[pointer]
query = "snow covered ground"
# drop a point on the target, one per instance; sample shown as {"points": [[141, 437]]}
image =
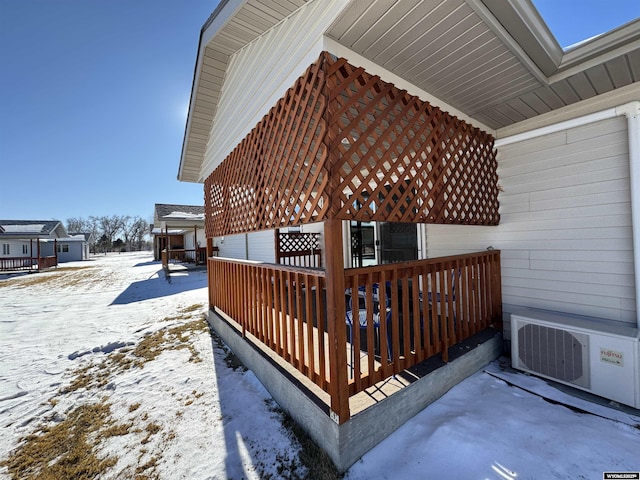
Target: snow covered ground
{"points": [[110, 346]]}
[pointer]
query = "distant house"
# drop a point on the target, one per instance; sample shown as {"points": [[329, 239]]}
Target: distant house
{"points": [[80, 243], [179, 229], [31, 244]]}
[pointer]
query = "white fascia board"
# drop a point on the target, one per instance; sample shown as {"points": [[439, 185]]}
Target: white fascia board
{"points": [[224, 12], [622, 37], [582, 65], [373, 68], [630, 109], [599, 103], [538, 28]]}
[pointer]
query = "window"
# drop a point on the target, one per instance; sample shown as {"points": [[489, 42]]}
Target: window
{"points": [[5, 249], [25, 249], [63, 248]]}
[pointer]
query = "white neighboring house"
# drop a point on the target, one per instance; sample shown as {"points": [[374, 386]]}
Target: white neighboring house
{"points": [[180, 228], [79, 245], [27, 243]]}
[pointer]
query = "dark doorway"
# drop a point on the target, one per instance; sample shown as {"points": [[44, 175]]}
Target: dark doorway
{"points": [[363, 247]]}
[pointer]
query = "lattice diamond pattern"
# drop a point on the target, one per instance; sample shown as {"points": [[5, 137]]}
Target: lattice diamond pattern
{"points": [[277, 175], [392, 157], [298, 242], [403, 160]]}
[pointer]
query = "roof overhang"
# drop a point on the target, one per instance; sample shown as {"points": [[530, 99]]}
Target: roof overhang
{"points": [[494, 60]]}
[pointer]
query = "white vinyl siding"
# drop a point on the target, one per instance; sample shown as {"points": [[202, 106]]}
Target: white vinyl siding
{"points": [[565, 228], [232, 246], [275, 59], [198, 235], [262, 246], [258, 246]]}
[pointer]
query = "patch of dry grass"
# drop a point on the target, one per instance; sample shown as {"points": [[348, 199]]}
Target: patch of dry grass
{"points": [[98, 374], [174, 338], [70, 449], [61, 277], [67, 449], [185, 313]]}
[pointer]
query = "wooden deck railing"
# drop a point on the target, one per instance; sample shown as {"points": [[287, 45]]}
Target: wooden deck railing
{"points": [[188, 255], [404, 312], [413, 310], [18, 263], [309, 258], [47, 262], [282, 306], [8, 264]]}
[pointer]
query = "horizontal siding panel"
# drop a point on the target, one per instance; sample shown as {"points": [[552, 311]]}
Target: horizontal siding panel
{"points": [[598, 129], [565, 229], [596, 160], [619, 185], [232, 246], [557, 219], [275, 59], [584, 299], [610, 198], [579, 256], [612, 278], [513, 208], [524, 299], [515, 151], [573, 287], [583, 176], [567, 156], [621, 268], [587, 244]]}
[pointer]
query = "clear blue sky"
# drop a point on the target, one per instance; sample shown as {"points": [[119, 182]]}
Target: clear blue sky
{"points": [[94, 96], [93, 103], [572, 21]]}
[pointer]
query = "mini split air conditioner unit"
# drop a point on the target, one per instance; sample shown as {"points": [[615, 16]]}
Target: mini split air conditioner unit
{"points": [[599, 356]]}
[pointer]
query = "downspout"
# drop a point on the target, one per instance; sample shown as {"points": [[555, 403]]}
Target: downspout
{"points": [[630, 110]]}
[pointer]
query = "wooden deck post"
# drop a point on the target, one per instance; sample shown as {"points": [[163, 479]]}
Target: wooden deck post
{"points": [[276, 234], [339, 387], [195, 245], [209, 247]]}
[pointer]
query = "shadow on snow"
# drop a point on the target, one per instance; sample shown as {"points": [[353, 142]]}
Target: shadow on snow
{"points": [[157, 286]]}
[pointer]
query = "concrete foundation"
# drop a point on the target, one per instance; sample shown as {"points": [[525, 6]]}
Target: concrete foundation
{"points": [[308, 406]]}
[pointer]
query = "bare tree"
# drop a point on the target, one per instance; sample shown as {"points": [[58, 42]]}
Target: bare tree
{"points": [[141, 231], [78, 225], [105, 230], [134, 230], [110, 226]]}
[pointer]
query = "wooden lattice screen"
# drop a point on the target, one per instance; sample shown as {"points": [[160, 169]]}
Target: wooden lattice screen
{"points": [[344, 144], [277, 176], [297, 248], [402, 160]]}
